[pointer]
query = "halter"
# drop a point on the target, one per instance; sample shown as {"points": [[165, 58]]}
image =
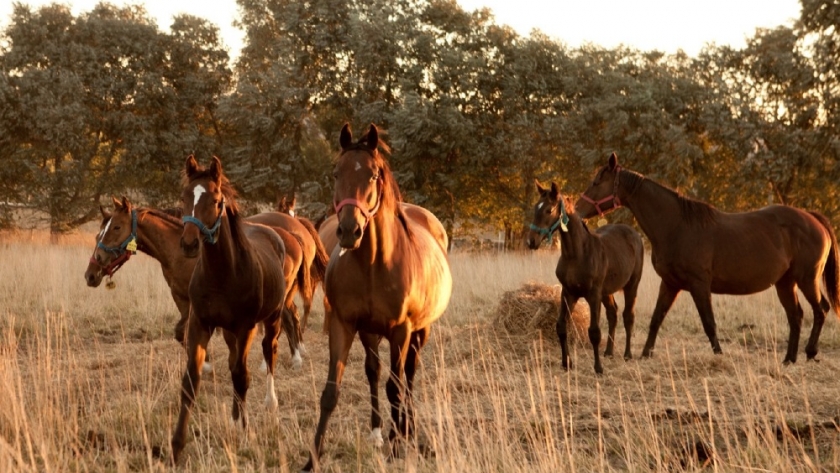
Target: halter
{"points": [[122, 252], [211, 235], [610, 198], [359, 205], [562, 222]]}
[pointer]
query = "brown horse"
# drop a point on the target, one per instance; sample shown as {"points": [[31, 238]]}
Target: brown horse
{"points": [[238, 282], [593, 266], [702, 250], [157, 233], [390, 279]]}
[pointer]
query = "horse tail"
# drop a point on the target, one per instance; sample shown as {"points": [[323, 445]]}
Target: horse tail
{"points": [[304, 280], [831, 272], [319, 264]]}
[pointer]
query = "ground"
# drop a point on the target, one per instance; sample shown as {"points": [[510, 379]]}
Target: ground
{"points": [[89, 382]]}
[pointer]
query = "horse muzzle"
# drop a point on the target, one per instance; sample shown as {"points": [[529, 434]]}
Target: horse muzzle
{"points": [[349, 235], [93, 275]]}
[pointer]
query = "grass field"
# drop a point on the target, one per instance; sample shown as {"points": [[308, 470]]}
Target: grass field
{"points": [[89, 381]]}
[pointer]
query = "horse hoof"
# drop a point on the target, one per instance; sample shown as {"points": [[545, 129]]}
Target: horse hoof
{"points": [[788, 362], [376, 438], [599, 370], [647, 354]]}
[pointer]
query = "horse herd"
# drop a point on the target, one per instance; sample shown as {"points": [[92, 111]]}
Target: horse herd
{"points": [[387, 273]]}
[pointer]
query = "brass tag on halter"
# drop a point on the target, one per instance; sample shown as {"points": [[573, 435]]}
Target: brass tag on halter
{"points": [[601, 222], [132, 246], [110, 284]]}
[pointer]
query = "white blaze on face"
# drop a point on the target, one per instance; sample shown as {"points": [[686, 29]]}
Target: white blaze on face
{"points": [[105, 230], [539, 206], [198, 191], [358, 166]]}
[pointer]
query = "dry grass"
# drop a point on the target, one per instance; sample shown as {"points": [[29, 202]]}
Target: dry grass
{"points": [[89, 382]]}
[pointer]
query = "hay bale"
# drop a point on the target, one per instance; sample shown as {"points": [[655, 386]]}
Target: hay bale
{"points": [[534, 308]]}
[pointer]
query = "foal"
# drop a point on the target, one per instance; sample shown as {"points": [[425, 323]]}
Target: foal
{"points": [[591, 266], [237, 283]]}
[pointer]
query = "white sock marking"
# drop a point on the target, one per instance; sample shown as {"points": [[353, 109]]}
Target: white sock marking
{"points": [[292, 213], [263, 367], [206, 368], [297, 361], [376, 438], [270, 398], [198, 191], [302, 349]]}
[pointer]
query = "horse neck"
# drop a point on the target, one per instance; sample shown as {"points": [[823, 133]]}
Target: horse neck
{"points": [[231, 249], [381, 237], [159, 238], [656, 209], [572, 242]]}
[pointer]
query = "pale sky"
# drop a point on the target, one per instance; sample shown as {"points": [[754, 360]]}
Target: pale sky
{"points": [[666, 25]]}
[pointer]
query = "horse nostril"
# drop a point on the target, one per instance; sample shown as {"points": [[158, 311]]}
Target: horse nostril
{"points": [[338, 231], [358, 233]]}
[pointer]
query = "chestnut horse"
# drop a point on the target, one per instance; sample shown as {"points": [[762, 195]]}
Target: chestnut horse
{"points": [[157, 233], [238, 282], [390, 278], [593, 266], [704, 251]]}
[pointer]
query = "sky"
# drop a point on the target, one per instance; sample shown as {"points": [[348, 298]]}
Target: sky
{"points": [[665, 25]]}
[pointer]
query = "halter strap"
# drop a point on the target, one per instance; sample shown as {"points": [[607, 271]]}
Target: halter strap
{"points": [[211, 235], [562, 222], [610, 198], [122, 252], [359, 205]]}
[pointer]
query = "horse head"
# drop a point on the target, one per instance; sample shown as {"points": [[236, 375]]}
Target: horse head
{"points": [[549, 215], [363, 186], [602, 194], [203, 203], [115, 242]]}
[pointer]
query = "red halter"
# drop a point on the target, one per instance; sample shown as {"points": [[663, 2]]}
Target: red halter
{"points": [[359, 205], [610, 198]]}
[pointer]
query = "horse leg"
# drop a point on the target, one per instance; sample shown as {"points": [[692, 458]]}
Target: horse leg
{"points": [[399, 339], [197, 338], [372, 370], [240, 376], [811, 292], [418, 341], [702, 297], [567, 304], [629, 315], [269, 349], [291, 325], [341, 338], [612, 320], [786, 291], [594, 301], [664, 301]]}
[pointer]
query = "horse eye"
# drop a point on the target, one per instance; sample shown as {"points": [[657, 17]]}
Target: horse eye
{"points": [[117, 227]]}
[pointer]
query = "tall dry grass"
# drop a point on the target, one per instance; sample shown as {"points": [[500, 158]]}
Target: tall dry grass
{"points": [[89, 382]]}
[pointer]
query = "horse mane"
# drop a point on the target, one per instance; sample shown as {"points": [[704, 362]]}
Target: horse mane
{"points": [[169, 215], [693, 211]]}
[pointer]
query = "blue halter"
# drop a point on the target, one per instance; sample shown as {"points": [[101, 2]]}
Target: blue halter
{"points": [[561, 223], [119, 250], [211, 235]]}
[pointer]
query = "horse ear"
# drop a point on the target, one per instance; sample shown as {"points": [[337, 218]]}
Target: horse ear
{"points": [[117, 203], [613, 161], [293, 201], [555, 191], [216, 169], [126, 205], [346, 138], [540, 188], [373, 137], [105, 213], [191, 166]]}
